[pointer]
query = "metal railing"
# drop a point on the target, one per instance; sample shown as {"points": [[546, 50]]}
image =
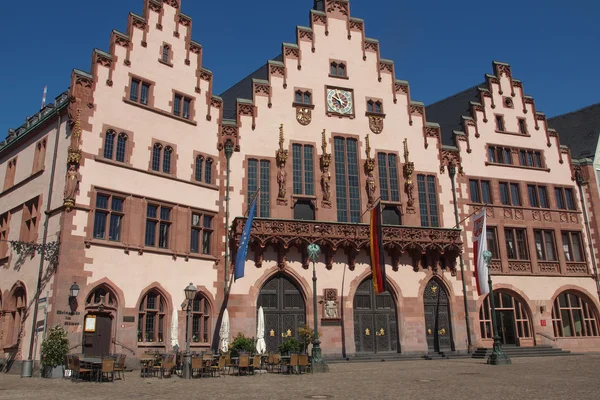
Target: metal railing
{"points": [[547, 336], [123, 346]]}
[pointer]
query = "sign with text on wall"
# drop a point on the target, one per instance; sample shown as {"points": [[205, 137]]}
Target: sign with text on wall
{"points": [[543, 322], [90, 323]]}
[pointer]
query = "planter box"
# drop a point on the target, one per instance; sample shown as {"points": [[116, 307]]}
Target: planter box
{"points": [[53, 373], [525, 342]]}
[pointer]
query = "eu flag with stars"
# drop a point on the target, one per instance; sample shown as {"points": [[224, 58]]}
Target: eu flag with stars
{"points": [[240, 260]]}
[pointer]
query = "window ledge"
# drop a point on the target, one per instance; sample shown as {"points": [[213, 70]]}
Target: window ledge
{"points": [[168, 64], [374, 114], [304, 196], [523, 208], [151, 344], [311, 106], [487, 163], [142, 249], [334, 114], [338, 77], [21, 183], [166, 176], [158, 111], [513, 133]]}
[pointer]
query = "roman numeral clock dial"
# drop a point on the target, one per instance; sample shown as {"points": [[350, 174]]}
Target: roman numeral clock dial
{"points": [[340, 101]]}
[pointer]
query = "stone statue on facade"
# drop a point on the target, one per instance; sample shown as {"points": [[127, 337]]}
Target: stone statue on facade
{"points": [[409, 168], [281, 157], [325, 176], [72, 185], [331, 309], [371, 187]]}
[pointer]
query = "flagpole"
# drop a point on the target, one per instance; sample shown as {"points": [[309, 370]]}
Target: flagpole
{"points": [[228, 154], [468, 216], [254, 196]]}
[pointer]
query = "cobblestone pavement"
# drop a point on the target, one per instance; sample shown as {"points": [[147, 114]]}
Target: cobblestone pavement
{"points": [[528, 378]]}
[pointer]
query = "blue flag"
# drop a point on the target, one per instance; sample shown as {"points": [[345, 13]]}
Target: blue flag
{"points": [[240, 259]]}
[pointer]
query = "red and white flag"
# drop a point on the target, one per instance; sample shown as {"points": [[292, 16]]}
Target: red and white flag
{"points": [[479, 246]]}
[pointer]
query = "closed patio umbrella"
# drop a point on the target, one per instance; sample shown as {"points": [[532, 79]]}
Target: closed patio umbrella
{"points": [[261, 346], [174, 329], [224, 333]]}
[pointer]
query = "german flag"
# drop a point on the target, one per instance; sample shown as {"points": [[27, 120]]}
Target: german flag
{"points": [[376, 244]]}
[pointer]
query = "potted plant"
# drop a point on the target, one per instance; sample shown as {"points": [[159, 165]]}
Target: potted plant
{"points": [[291, 345], [54, 349], [242, 344]]}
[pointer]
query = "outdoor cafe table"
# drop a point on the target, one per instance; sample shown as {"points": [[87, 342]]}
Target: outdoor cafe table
{"points": [[95, 363]]}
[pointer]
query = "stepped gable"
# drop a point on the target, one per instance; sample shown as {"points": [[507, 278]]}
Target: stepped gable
{"points": [[580, 130]]}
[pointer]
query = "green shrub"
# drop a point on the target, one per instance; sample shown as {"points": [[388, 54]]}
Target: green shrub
{"points": [[55, 347], [242, 344], [291, 345]]}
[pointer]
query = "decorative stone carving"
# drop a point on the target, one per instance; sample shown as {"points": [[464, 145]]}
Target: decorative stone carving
{"points": [[330, 304], [577, 268], [371, 187], [325, 175], [73, 159], [409, 168], [519, 266], [376, 124], [281, 156], [303, 115]]}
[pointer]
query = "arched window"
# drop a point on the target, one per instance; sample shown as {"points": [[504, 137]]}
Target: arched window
{"points": [[370, 106], [156, 157], [378, 107], [16, 314], [101, 295], [166, 51], [200, 319], [167, 160], [307, 97], [573, 315], [341, 70], [208, 171], [298, 96], [109, 144], [152, 317], [333, 69], [513, 321], [121, 145], [199, 162]]}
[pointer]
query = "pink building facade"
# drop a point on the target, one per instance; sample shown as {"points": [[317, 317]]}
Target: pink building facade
{"points": [[134, 161]]}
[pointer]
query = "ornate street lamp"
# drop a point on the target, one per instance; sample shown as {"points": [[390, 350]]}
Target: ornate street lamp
{"points": [[73, 292], [318, 364], [498, 356], [190, 293]]}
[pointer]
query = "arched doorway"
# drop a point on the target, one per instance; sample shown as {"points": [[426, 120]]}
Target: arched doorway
{"points": [[375, 321], [284, 308], [573, 315], [98, 330], [512, 318], [437, 317]]}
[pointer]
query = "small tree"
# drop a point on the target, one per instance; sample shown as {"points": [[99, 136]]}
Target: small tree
{"points": [[55, 347], [291, 345], [307, 336], [242, 344]]}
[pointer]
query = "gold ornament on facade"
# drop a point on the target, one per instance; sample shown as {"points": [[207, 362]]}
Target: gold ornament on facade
{"points": [[325, 175], [409, 168], [371, 187], [281, 156], [367, 332], [303, 115], [376, 124]]}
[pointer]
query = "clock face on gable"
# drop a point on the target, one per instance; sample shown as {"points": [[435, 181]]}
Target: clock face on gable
{"points": [[340, 101]]}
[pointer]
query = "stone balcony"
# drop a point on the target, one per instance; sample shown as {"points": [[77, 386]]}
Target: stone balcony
{"points": [[435, 248]]}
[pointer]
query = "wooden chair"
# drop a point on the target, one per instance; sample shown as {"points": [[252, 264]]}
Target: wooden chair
{"points": [[255, 364], [276, 362], [216, 369], [78, 371], [302, 363], [168, 365], [243, 363], [228, 363], [197, 365], [120, 366], [108, 367]]}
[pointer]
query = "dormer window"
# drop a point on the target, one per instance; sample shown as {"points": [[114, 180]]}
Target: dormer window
{"points": [[182, 106], [375, 107], [337, 69], [303, 97]]}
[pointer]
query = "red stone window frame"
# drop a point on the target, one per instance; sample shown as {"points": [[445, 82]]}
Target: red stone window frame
{"points": [[508, 156], [159, 226], [512, 189], [303, 98], [531, 158], [433, 221], [579, 311], [109, 216], [522, 123], [303, 178], [4, 231], [573, 249], [565, 198], [31, 219], [9, 178], [500, 126], [16, 310], [200, 172], [513, 237], [39, 158], [544, 242], [479, 189], [165, 55], [202, 238], [158, 164], [262, 173], [338, 69], [374, 107], [538, 196], [140, 91], [152, 319], [201, 320], [117, 145], [180, 102], [492, 241]]}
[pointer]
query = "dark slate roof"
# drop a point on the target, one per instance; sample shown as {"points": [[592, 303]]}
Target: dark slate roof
{"points": [[449, 112], [243, 90], [579, 130]]}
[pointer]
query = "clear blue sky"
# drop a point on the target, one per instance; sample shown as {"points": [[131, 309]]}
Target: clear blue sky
{"points": [[440, 46]]}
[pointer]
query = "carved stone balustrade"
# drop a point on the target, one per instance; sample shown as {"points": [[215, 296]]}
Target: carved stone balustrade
{"points": [[435, 248]]}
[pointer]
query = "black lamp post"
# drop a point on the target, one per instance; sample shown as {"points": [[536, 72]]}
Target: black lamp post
{"points": [[190, 293], [73, 292], [318, 364], [498, 356]]}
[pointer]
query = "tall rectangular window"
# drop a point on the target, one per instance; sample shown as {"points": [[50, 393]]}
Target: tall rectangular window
{"points": [[522, 126], [346, 179], [303, 169], [428, 200], [480, 191], [259, 173], [538, 196], [572, 246], [492, 242], [158, 225], [108, 214], [4, 220], [181, 103], [201, 233], [388, 177], [531, 158], [544, 245], [29, 228], [516, 244], [139, 91], [499, 123], [564, 198], [500, 155], [509, 194]]}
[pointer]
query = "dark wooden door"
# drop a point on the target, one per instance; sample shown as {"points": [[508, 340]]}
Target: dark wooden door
{"points": [[284, 308], [506, 320], [97, 343], [437, 317], [375, 326]]}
